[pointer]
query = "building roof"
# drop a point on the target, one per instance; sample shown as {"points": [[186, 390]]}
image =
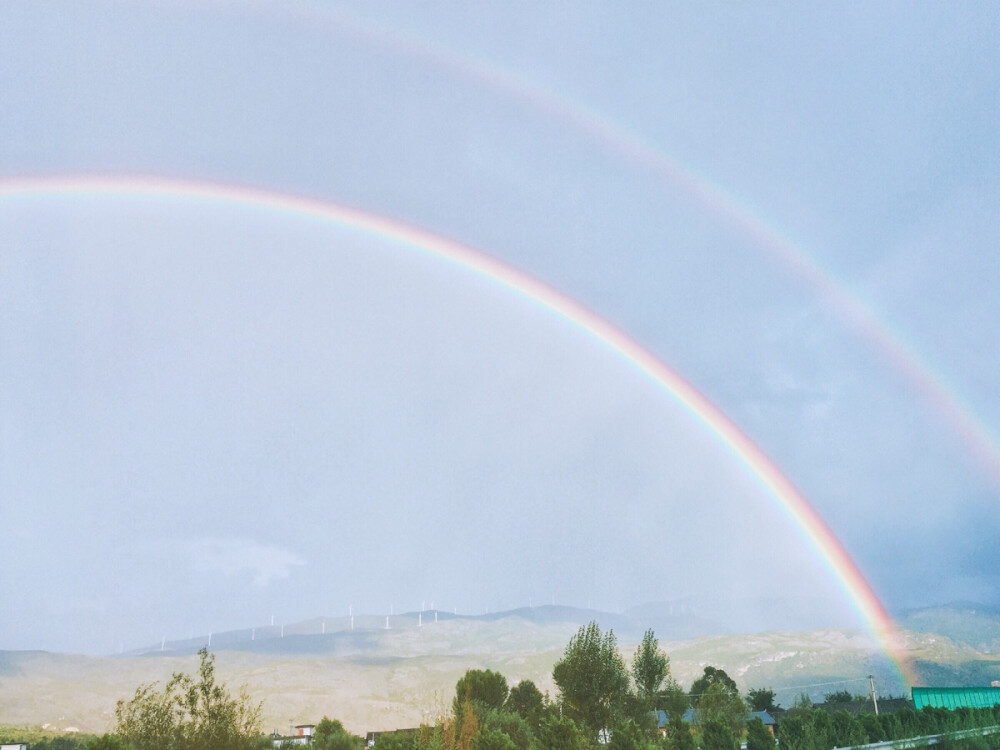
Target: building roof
{"points": [[956, 697]]}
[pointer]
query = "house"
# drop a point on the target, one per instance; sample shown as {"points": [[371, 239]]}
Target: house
{"points": [[769, 721], [302, 734]]}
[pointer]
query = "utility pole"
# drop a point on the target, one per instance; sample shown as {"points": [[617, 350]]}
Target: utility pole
{"points": [[871, 681]]}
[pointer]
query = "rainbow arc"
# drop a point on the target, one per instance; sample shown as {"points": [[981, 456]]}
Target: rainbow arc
{"points": [[787, 497]]}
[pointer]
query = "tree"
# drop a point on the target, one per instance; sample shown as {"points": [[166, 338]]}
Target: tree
{"points": [[627, 736], [106, 742], [678, 734], [189, 714], [822, 729], [761, 699], [795, 733], [650, 668], [719, 703], [466, 726], [60, 743], [561, 733], [527, 701], [869, 723], [493, 739], [592, 679], [512, 725], [673, 699], [847, 730], [399, 740], [484, 688], [331, 735], [840, 696], [710, 677], [429, 737], [759, 737], [718, 735]]}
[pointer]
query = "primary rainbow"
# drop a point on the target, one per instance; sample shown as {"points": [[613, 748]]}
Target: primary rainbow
{"points": [[764, 471]]}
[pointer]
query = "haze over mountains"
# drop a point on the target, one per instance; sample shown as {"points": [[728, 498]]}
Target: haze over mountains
{"points": [[372, 677]]}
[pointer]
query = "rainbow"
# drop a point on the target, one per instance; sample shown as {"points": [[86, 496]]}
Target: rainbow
{"points": [[788, 498], [982, 444]]}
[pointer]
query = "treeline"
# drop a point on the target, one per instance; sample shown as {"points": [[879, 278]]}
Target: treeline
{"points": [[601, 703], [809, 728]]}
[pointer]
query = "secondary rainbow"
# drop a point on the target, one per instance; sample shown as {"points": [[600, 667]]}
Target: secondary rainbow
{"points": [[765, 472], [745, 221]]}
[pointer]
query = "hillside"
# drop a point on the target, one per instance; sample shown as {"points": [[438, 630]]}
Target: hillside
{"points": [[374, 678], [969, 624]]}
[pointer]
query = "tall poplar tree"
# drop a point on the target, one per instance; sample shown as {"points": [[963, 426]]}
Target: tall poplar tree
{"points": [[592, 679]]}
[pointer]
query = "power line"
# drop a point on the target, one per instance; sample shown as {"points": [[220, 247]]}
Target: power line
{"points": [[821, 684]]}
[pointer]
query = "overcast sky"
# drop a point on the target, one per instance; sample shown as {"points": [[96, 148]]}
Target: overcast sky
{"points": [[214, 413]]}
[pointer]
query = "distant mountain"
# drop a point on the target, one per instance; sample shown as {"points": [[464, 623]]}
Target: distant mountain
{"points": [[373, 677], [972, 625], [675, 620]]}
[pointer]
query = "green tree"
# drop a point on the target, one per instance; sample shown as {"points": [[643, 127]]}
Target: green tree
{"points": [[189, 714], [107, 742], [803, 702], [759, 737], [512, 725], [718, 735], [628, 736], [391, 741], [429, 737], [527, 701], [840, 696], [795, 733], [678, 735], [561, 733], [650, 669], [720, 703], [492, 738], [59, 743], [847, 730], [894, 731], [592, 679], [331, 735], [822, 729], [484, 688], [673, 699], [711, 676], [869, 722], [761, 699]]}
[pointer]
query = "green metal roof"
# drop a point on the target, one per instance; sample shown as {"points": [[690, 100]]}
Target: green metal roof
{"points": [[972, 697]]}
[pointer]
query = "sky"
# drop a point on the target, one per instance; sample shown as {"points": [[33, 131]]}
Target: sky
{"points": [[212, 412]]}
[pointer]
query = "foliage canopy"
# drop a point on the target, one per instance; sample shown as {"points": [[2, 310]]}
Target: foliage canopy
{"points": [[189, 714], [592, 678]]}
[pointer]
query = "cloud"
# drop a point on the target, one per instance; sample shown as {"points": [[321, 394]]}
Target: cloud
{"points": [[265, 562]]}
